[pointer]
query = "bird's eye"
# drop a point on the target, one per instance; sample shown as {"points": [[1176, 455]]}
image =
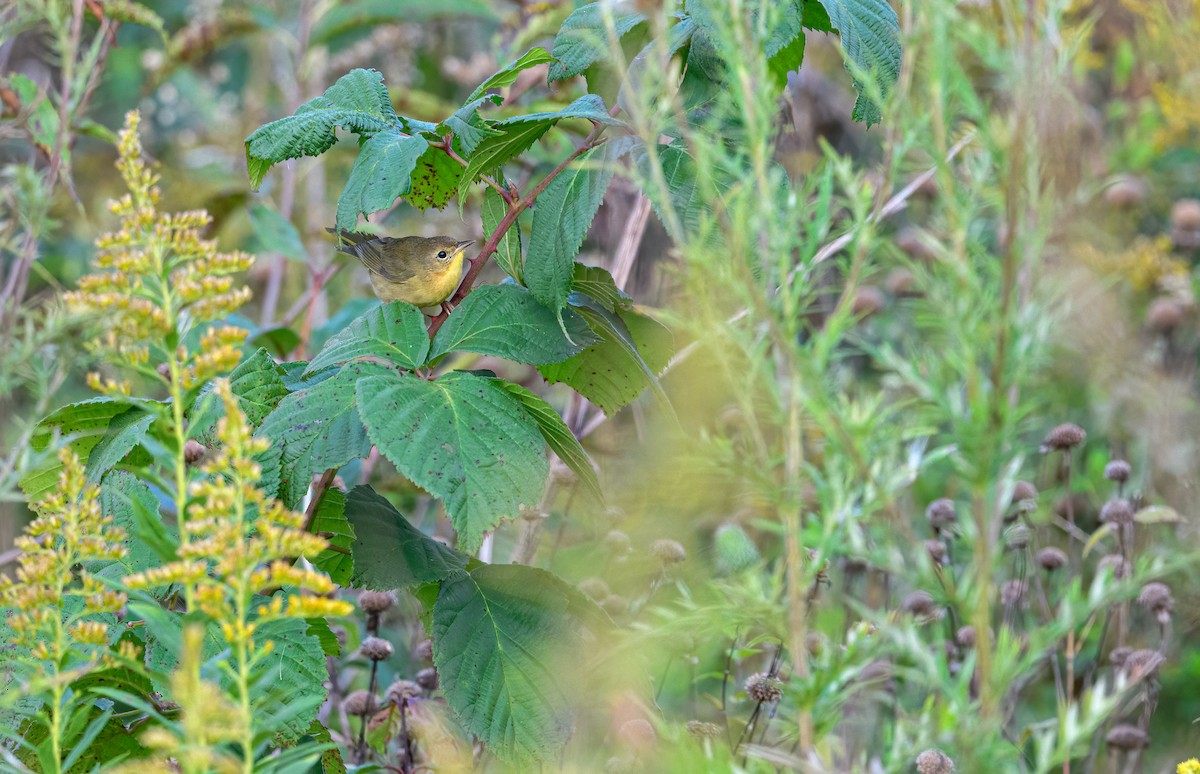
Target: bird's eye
{"points": [[442, 254]]}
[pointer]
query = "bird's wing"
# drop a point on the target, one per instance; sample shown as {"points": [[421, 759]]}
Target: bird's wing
{"points": [[372, 255]]}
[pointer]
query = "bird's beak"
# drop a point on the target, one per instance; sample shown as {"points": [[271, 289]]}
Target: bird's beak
{"points": [[464, 245]]}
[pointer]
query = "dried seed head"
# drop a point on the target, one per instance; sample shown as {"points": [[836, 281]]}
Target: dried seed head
{"points": [[1119, 655], [193, 451], [965, 637], [868, 300], [594, 588], [1023, 493], [762, 687], [668, 551], [1117, 511], [424, 650], [1142, 663], [376, 649], [934, 762], [936, 549], [164, 370], [1156, 597], [909, 240], [1017, 537], [615, 604], [1185, 215], [1164, 315], [1118, 471], [1115, 562], [403, 689], [376, 601], [637, 733], [1064, 437], [919, 603], [1125, 193], [902, 284], [877, 672], [360, 703], [941, 513], [618, 542], [701, 730], [1012, 592], [1051, 559], [852, 565], [1127, 737], [427, 678]]}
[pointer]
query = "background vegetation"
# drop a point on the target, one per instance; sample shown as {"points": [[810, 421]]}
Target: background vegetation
{"points": [[885, 367]]}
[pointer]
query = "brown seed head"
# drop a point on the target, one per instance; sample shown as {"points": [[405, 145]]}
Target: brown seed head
{"points": [[1125, 193], [1164, 315], [403, 689], [1051, 559], [637, 733], [376, 601], [424, 650], [1127, 737], [941, 513], [936, 549], [868, 300], [919, 603], [1156, 597], [762, 687], [1023, 492], [1119, 655], [1017, 537], [618, 542], [1142, 663], [934, 762], [193, 451], [1012, 592], [965, 637], [1185, 215], [1118, 471], [668, 551], [360, 703], [1117, 511], [1064, 437], [376, 649], [594, 588], [901, 283], [427, 678], [909, 240]]}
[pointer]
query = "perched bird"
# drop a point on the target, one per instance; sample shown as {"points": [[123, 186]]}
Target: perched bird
{"points": [[422, 271]]}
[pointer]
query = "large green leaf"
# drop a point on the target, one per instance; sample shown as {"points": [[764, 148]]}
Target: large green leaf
{"points": [[435, 180], [468, 126], [394, 332], [132, 506], [583, 39], [258, 385], [506, 321], [508, 249], [597, 284], [562, 219], [358, 102], [784, 46], [463, 439], [274, 233], [330, 520], [558, 436], [298, 674], [109, 428], [507, 75], [506, 642], [632, 351], [389, 552], [318, 428], [870, 34], [381, 174]]}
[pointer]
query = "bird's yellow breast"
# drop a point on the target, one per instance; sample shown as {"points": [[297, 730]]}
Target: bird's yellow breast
{"points": [[431, 286]]}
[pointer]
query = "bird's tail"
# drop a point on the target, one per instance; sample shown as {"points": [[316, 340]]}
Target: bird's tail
{"points": [[348, 239]]}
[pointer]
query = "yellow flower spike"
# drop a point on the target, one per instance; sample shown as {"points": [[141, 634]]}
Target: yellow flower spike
{"points": [[1190, 766]]}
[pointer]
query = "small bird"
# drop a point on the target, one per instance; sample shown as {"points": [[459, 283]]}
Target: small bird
{"points": [[422, 271]]}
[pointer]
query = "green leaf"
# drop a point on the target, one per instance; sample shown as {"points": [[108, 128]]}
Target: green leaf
{"points": [[558, 436], [596, 283], [274, 233], [318, 428], [508, 74], [461, 438], [134, 508], [279, 341], [298, 673], [561, 220], [435, 180], [330, 521], [84, 427], [348, 17], [389, 552], [394, 332], [506, 321], [504, 637], [258, 385], [508, 249], [583, 39], [468, 126], [126, 431], [357, 102], [785, 44], [381, 174], [611, 374], [870, 34]]}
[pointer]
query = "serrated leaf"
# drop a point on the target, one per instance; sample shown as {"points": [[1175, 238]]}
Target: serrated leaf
{"points": [[279, 341], [435, 180], [583, 39], [258, 385], [274, 233], [784, 46], [596, 283], [298, 673], [504, 638], [468, 126], [507, 75], [318, 428], [558, 436], [381, 174], [132, 506], [461, 438], [126, 431], [357, 102], [389, 552], [508, 249], [394, 332], [870, 34], [330, 521], [611, 374], [506, 321]]}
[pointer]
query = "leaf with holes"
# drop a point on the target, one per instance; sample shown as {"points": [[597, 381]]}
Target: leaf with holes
{"points": [[381, 174], [389, 552], [394, 332], [870, 34], [435, 180], [464, 440]]}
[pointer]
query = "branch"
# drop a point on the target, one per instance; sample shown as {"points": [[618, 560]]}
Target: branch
{"points": [[515, 208]]}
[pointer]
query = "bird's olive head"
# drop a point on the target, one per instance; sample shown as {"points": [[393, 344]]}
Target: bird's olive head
{"points": [[445, 249]]}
